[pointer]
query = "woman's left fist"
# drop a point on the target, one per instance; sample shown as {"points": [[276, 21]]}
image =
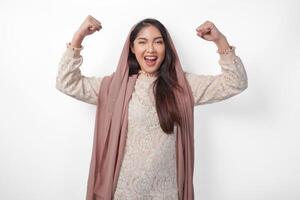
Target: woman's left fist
{"points": [[209, 31]]}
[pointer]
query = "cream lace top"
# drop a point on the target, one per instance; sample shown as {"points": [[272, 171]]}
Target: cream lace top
{"points": [[148, 170]]}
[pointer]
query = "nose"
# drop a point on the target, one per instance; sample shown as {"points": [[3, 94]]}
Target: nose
{"points": [[150, 48]]}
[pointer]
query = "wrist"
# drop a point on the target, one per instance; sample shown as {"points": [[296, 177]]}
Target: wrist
{"points": [[77, 40], [222, 43]]}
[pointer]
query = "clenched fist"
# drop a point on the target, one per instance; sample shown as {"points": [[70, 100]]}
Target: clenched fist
{"points": [[209, 31], [88, 27]]}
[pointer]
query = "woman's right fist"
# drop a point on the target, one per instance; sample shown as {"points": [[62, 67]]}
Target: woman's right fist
{"points": [[88, 27]]}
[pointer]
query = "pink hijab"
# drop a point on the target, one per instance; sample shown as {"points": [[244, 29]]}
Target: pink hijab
{"points": [[111, 129]]}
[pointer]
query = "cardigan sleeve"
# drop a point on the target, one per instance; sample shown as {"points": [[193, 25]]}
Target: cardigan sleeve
{"points": [[213, 88], [71, 82]]}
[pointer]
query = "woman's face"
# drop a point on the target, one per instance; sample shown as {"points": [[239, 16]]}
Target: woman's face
{"points": [[149, 49]]}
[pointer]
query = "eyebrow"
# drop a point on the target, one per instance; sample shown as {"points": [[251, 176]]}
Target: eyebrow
{"points": [[142, 38]]}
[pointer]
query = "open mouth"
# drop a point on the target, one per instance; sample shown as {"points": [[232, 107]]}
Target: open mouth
{"points": [[150, 60]]}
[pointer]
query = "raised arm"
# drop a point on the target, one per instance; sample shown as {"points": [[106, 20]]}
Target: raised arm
{"points": [[233, 79], [69, 79], [213, 88]]}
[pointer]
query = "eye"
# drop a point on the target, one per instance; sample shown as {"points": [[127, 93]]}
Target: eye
{"points": [[160, 42], [141, 42]]}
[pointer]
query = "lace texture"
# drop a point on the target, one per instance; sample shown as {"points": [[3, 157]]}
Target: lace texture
{"points": [[148, 169]]}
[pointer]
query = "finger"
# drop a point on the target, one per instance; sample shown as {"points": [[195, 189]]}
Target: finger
{"points": [[201, 29], [202, 32], [206, 30], [98, 26], [199, 33], [206, 25], [95, 21], [201, 36], [93, 28], [99, 23]]}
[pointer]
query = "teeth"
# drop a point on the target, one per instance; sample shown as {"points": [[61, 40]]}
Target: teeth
{"points": [[151, 57]]}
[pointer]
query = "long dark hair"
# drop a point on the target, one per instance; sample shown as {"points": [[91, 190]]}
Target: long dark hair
{"points": [[166, 82]]}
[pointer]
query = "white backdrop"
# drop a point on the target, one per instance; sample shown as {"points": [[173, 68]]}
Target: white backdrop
{"points": [[247, 147]]}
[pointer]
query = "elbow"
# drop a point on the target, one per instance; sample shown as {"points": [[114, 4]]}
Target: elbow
{"points": [[240, 82], [59, 85], [243, 85], [238, 86], [244, 81]]}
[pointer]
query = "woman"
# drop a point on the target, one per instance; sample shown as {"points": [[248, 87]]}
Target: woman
{"points": [[143, 141]]}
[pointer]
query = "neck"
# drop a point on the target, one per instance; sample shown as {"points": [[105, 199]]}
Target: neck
{"points": [[147, 74]]}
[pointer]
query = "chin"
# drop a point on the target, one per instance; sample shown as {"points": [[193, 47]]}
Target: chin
{"points": [[151, 70]]}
